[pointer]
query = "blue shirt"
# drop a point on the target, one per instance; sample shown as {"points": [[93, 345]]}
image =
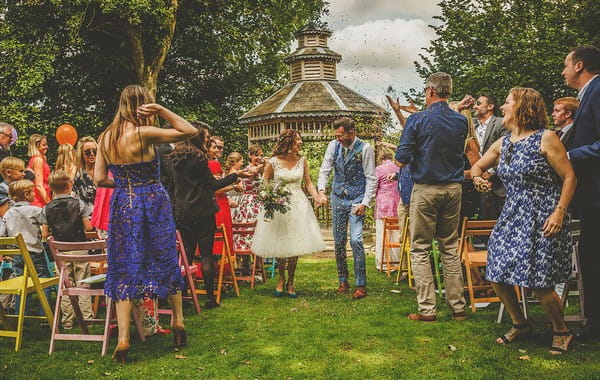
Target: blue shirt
{"points": [[433, 142]]}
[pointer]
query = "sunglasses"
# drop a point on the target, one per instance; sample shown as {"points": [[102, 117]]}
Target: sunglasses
{"points": [[219, 147], [89, 152], [6, 134], [509, 153]]}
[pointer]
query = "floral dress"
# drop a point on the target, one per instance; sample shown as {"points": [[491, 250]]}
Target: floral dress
{"points": [[247, 210]]}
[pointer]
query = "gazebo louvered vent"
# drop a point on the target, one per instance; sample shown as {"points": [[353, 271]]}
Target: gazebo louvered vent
{"points": [[314, 98]]}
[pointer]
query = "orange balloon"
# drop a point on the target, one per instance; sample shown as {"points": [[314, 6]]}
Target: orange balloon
{"points": [[66, 134]]}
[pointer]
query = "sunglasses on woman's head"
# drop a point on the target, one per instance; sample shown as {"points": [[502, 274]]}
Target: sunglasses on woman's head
{"points": [[89, 152]]}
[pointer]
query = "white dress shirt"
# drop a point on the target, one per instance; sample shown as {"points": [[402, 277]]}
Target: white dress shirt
{"points": [[368, 165], [585, 86], [480, 131]]}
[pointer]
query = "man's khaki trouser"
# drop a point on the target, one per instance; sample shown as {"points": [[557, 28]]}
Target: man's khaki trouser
{"points": [[435, 213], [76, 272]]}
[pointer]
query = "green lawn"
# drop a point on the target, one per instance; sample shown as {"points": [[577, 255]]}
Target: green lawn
{"points": [[318, 335]]}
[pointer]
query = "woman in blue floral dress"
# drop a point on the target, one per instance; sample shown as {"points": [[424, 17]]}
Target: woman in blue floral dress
{"points": [[530, 245], [142, 258]]}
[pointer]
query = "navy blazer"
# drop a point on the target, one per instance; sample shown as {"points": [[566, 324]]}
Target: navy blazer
{"points": [[583, 146]]}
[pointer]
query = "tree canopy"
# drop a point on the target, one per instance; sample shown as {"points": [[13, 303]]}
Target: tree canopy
{"points": [[490, 46], [65, 61]]}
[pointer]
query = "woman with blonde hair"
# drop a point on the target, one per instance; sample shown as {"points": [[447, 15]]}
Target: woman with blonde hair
{"points": [[36, 150], [85, 159], [142, 257], [65, 160], [530, 244]]}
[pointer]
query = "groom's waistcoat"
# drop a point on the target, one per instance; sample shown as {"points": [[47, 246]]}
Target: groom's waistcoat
{"points": [[349, 177]]}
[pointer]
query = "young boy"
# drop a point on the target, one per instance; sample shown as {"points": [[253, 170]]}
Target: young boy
{"points": [[5, 299], [26, 219], [67, 218], [12, 169]]}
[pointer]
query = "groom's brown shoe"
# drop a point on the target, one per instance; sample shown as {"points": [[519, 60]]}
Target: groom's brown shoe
{"points": [[344, 287], [360, 292], [422, 318]]}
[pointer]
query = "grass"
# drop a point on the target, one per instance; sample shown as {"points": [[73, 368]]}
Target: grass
{"points": [[316, 336]]}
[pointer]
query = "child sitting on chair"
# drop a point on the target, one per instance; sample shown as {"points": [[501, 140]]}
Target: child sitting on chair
{"points": [[67, 218], [12, 169], [27, 220], [6, 300]]}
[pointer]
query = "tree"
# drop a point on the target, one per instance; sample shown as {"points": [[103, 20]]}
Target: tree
{"points": [[67, 60], [490, 46]]}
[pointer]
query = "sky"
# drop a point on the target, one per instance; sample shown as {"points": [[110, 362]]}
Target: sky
{"points": [[379, 40]]}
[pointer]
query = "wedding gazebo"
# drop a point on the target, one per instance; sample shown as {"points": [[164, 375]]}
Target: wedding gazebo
{"points": [[314, 98]]}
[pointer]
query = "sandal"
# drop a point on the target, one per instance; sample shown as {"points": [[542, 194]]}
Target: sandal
{"points": [[516, 332], [561, 340]]}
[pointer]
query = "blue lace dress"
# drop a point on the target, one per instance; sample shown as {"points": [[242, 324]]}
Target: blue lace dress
{"points": [[142, 257], [518, 252]]}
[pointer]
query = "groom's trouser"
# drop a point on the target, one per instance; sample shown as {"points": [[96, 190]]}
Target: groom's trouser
{"points": [[435, 213], [341, 213]]}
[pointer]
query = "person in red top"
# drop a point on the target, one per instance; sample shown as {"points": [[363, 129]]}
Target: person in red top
{"points": [[37, 149]]}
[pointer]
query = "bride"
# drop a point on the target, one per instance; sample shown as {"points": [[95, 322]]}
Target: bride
{"points": [[297, 232]]}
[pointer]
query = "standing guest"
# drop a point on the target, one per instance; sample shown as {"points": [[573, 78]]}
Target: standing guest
{"points": [[142, 257], [248, 206], [387, 198], [223, 216], [65, 160], [530, 243], [37, 149], [297, 232], [12, 169], [234, 162], [6, 137], [581, 72], [354, 183], [25, 218], [68, 220], [83, 185], [488, 129], [194, 202], [433, 143], [562, 116]]}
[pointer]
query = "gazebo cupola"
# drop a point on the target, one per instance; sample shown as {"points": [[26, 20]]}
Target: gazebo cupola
{"points": [[314, 98]]}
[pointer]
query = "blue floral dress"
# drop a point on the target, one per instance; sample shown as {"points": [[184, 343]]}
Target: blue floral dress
{"points": [[142, 257], [518, 252]]}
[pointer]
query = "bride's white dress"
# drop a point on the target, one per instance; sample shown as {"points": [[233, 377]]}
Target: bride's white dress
{"points": [[294, 233]]}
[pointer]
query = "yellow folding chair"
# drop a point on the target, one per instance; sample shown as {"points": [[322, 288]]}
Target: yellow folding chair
{"points": [[405, 254], [23, 285]]}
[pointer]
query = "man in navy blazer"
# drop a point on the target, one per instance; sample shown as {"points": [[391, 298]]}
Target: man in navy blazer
{"points": [[582, 66]]}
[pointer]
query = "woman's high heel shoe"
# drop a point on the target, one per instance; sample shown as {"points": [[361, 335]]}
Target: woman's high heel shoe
{"points": [[179, 337], [120, 354]]}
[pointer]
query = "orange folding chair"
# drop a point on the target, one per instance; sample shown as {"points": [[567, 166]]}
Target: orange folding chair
{"points": [[389, 225]]}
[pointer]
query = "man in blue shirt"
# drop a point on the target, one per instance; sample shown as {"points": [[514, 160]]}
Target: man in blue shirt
{"points": [[433, 143]]}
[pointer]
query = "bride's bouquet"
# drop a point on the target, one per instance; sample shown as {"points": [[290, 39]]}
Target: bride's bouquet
{"points": [[274, 197]]}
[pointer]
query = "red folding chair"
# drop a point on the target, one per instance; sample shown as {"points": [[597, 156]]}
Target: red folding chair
{"points": [[258, 267]]}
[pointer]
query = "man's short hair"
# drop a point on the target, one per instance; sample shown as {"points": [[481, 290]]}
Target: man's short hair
{"points": [[4, 127], [491, 99], [217, 138], [17, 189], [440, 83], [569, 103], [59, 180], [590, 56], [12, 163], [345, 122]]}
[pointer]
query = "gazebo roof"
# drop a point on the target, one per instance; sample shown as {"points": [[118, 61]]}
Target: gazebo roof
{"points": [[305, 99]]}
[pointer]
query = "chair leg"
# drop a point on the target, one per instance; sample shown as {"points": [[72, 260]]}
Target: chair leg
{"points": [[220, 282], [106, 335], [20, 320], [500, 313], [254, 258], [233, 276], [470, 286], [57, 313]]}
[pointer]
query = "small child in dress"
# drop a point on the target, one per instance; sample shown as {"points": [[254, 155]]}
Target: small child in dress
{"points": [[12, 169], [27, 220], [67, 220]]}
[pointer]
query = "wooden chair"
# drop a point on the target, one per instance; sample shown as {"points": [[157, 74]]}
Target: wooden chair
{"points": [[389, 225], [21, 286], [405, 255], [225, 269], [474, 259], [247, 229], [73, 291]]}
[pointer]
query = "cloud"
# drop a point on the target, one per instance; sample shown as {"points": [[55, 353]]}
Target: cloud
{"points": [[353, 12]]}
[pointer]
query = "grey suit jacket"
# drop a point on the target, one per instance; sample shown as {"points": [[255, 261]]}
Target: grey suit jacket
{"points": [[494, 131]]}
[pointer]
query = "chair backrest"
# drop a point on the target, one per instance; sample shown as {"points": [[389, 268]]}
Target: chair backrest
{"points": [[92, 235], [56, 247], [391, 224], [472, 228], [17, 246], [242, 229]]}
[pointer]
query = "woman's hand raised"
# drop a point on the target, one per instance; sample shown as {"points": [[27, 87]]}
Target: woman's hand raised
{"points": [[148, 110]]}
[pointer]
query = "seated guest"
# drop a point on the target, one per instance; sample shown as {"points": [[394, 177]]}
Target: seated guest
{"points": [[12, 169], [67, 220]]}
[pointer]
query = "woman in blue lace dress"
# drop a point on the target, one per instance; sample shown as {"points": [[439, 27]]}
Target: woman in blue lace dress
{"points": [[142, 258], [530, 244]]}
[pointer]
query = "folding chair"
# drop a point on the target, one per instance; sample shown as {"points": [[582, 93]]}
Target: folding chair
{"points": [[73, 291], [389, 225], [247, 229], [226, 272], [21, 286]]}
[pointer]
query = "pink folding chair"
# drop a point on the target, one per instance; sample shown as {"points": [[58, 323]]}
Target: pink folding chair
{"points": [[73, 291]]}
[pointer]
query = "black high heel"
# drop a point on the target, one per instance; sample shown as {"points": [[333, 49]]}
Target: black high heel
{"points": [[179, 337], [120, 354]]}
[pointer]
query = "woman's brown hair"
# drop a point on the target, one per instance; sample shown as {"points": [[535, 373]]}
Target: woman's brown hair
{"points": [[285, 142], [196, 146], [529, 110]]}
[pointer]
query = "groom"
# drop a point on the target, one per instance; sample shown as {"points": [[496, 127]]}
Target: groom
{"points": [[353, 189]]}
